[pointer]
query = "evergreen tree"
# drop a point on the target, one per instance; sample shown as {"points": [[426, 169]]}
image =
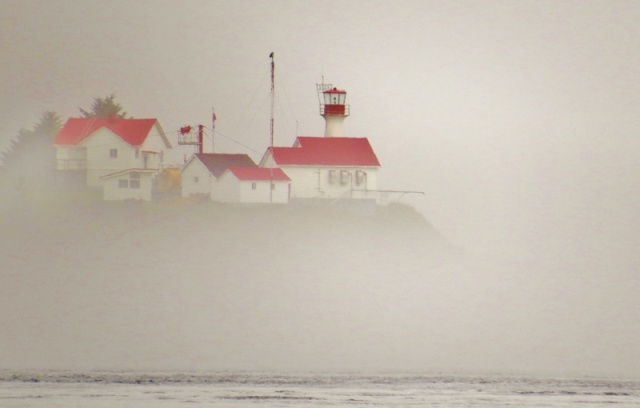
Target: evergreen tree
{"points": [[104, 108], [30, 159]]}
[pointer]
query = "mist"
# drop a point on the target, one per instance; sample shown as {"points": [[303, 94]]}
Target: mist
{"points": [[203, 286], [517, 120]]}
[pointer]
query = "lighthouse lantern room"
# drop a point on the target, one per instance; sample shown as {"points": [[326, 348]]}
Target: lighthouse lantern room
{"points": [[333, 109]]}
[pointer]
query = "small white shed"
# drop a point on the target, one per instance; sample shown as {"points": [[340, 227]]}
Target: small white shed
{"points": [[200, 173], [130, 184]]}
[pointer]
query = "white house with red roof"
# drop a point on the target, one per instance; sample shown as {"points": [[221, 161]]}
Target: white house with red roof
{"points": [[201, 172], [98, 147], [252, 185], [329, 167]]}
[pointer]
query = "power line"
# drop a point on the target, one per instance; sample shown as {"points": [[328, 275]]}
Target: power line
{"points": [[217, 132]]}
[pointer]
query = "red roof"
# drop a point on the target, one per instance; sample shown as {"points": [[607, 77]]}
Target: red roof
{"points": [[259, 173], [335, 91], [327, 151], [132, 131], [217, 163]]}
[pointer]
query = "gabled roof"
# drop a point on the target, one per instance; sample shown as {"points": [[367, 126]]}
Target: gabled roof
{"points": [[327, 151], [334, 91], [132, 131], [258, 173], [217, 163]]}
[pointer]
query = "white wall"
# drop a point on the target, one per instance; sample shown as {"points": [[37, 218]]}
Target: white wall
{"points": [[149, 160], [155, 143], [195, 169], [280, 194], [226, 189], [99, 161], [313, 182], [231, 190], [113, 192]]}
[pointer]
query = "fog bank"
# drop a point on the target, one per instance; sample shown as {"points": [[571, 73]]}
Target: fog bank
{"points": [[201, 286]]}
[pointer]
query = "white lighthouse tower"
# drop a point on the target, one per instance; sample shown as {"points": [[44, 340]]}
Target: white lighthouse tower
{"points": [[333, 109]]}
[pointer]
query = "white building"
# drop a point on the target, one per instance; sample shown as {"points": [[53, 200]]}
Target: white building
{"points": [[333, 166], [96, 147], [252, 185], [130, 184], [336, 167], [200, 173]]}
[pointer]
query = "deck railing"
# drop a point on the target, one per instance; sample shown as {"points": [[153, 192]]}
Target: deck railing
{"points": [[72, 164], [335, 110]]}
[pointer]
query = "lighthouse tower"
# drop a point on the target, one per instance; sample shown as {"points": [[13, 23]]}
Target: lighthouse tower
{"points": [[333, 109]]}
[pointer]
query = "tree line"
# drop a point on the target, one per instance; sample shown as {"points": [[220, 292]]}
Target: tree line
{"points": [[30, 159]]}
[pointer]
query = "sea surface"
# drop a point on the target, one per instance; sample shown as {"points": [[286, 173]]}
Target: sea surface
{"points": [[131, 390]]}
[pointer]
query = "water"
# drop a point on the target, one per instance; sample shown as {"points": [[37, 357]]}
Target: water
{"points": [[131, 390]]}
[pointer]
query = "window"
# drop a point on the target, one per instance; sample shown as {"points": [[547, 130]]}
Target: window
{"points": [[137, 152], [113, 153], [345, 176], [273, 186], [134, 181], [332, 177], [123, 183], [195, 179], [254, 186]]}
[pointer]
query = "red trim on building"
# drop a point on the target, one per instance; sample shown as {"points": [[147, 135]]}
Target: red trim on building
{"points": [[334, 109], [259, 174], [335, 91]]}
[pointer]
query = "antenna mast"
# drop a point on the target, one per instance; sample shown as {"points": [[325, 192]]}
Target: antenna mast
{"points": [[200, 139], [273, 93], [273, 87], [213, 128]]}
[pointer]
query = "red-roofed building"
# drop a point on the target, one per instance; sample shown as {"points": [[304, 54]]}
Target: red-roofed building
{"points": [[101, 146], [201, 171], [252, 185], [327, 167]]}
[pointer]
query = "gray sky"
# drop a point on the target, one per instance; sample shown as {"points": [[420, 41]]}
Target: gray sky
{"points": [[518, 119]]}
